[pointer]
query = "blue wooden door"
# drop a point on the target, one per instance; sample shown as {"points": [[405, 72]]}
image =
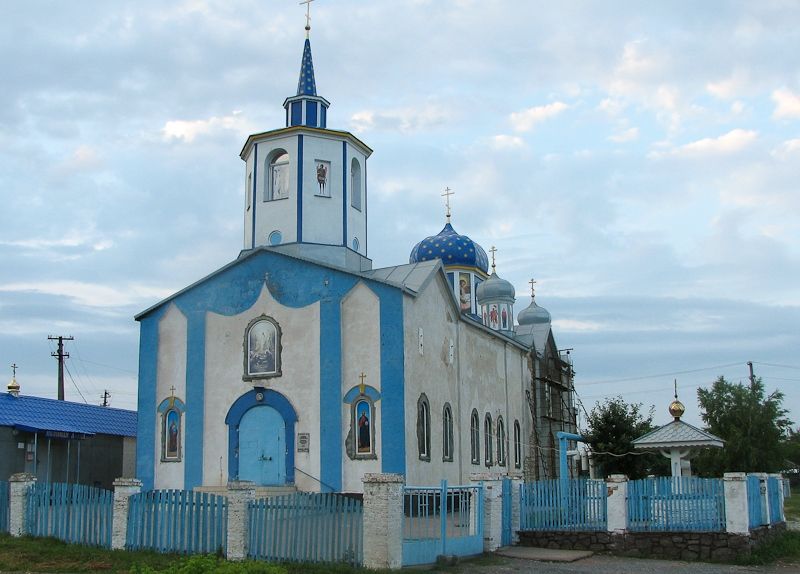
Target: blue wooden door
{"points": [[262, 447]]}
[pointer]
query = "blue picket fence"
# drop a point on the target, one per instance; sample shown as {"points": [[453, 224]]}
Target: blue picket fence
{"points": [[73, 513], [441, 520], [182, 521], [755, 508], [676, 504], [307, 527], [574, 504], [774, 498], [4, 492]]}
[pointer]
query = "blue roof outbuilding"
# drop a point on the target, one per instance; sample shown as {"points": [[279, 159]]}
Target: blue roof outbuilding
{"points": [[37, 414]]}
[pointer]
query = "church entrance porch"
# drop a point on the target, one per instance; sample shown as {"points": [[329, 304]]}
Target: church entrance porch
{"points": [[262, 447]]}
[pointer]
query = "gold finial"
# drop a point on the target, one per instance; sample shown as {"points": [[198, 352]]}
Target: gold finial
{"points": [[13, 386], [676, 408], [361, 386], [308, 15], [493, 250], [13, 370], [532, 282], [447, 193]]}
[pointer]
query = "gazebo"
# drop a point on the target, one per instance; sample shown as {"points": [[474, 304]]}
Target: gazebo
{"points": [[677, 440]]}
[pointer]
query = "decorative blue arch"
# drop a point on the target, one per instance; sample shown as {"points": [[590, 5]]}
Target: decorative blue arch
{"points": [[256, 398]]}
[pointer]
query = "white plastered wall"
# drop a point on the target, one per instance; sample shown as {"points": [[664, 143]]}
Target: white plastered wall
{"points": [[170, 372], [279, 214], [361, 352], [299, 382]]}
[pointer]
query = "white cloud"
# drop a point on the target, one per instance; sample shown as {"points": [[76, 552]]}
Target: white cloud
{"points": [[730, 87], [188, 130], [525, 120], [731, 142], [787, 104], [506, 142], [576, 326], [612, 106], [91, 294], [786, 149], [404, 120], [625, 136]]}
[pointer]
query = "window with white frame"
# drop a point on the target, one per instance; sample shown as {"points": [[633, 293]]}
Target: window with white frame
{"points": [[488, 439], [475, 437], [447, 433], [424, 428]]}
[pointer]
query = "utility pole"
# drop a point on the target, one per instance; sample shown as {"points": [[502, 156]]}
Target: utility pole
{"points": [[60, 355], [105, 396], [752, 375]]}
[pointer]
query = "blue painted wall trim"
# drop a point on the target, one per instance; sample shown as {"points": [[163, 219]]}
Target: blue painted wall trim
{"points": [[300, 188], [255, 193], [146, 422], [324, 122], [243, 404], [195, 398], [344, 194], [369, 391], [311, 113], [165, 405], [330, 390], [366, 213], [297, 113]]}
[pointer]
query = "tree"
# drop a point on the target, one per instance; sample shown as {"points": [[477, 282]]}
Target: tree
{"points": [[753, 425], [613, 426]]}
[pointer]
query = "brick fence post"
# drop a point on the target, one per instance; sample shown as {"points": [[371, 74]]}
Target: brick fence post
{"points": [[240, 493], [383, 520], [492, 508], [617, 488], [516, 509], [736, 511], [124, 488], [17, 502]]}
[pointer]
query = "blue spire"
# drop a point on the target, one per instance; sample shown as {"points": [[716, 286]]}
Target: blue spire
{"points": [[306, 86]]}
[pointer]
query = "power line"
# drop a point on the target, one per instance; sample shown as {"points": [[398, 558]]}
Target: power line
{"points": [[108, 366], [76, 386], [639, 378], [778, 366]]}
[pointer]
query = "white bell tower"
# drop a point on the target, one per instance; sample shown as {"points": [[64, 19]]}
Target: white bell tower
{"points": [[306, 185]]}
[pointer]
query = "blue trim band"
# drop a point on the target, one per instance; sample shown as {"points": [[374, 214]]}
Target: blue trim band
{"points": [[344, 194], [243, 404], [366, 213], [355, 392], [166, 404], [195, 395], [300, 188], [330, 389], [255, 194], [146, 421]]}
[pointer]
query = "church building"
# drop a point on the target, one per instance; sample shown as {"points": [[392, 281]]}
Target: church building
{"points": [[298, 364]]}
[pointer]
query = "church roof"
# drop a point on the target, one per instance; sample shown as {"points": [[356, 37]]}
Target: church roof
{"points": [[293, 129], [452, 248], [38, 414], [677, 434], [412, 276], [306, 86]]}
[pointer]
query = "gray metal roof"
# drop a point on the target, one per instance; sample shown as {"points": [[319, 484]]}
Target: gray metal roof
{"points": [[411, 276], [677, 434]]}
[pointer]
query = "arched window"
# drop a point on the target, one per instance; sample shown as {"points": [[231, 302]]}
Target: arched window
{"points": [[488, 437], [447, 433], [277, 176], [424, 428], [475, 437], [171, 410], [363, 417], [355, 184], [501, 442], [263, 345], [517, 445]]}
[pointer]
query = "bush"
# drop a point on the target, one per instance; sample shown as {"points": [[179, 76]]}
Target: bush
{"points": [[212, 565]]}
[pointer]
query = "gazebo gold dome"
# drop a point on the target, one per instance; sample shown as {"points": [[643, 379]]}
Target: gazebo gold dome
{"points": [[676, 409]]}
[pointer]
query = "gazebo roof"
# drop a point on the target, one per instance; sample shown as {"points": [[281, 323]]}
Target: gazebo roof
{"points": [[677, 434]]}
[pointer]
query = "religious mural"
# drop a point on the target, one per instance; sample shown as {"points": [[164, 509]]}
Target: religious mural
{"points": [[504, 319], [323, 169], [464, 292], [494, 316], [262, 348], [279, 185], [363, 428]]}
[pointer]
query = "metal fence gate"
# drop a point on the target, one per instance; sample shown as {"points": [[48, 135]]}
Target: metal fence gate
{"points": [[676, 504], [73, 513]]}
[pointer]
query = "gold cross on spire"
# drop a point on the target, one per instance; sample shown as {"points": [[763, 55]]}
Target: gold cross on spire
{"points": [[308, 15], [447, 193], [533, 289], [172, 391], [14, 370], [361, 386], [493, 250]]}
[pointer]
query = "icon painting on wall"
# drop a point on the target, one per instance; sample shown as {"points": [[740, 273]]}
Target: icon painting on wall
{"points": [[173, 434], [364, 427], [261, 348], [323, 168], [494, 317], [464, 292]]}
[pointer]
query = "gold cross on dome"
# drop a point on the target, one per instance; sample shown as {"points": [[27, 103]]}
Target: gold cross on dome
{"points": [[14, 370], [532, 283], [447, 193], [308, 15], [172, 391], [493, 250], [361, 386]]}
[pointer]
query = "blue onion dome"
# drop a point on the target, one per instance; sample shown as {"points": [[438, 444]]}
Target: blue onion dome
{"points": [[494, 290], [533, 314], [452, 249]]}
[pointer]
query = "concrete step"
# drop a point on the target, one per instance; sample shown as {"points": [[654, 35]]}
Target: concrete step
{"points": [[261, 491]]}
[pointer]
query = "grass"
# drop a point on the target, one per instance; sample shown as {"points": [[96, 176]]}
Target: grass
{"points": [[48, 555], [785, 547], [791, 507]]}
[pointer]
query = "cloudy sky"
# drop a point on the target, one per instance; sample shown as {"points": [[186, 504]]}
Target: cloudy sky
{"points": [[640, 160]]}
